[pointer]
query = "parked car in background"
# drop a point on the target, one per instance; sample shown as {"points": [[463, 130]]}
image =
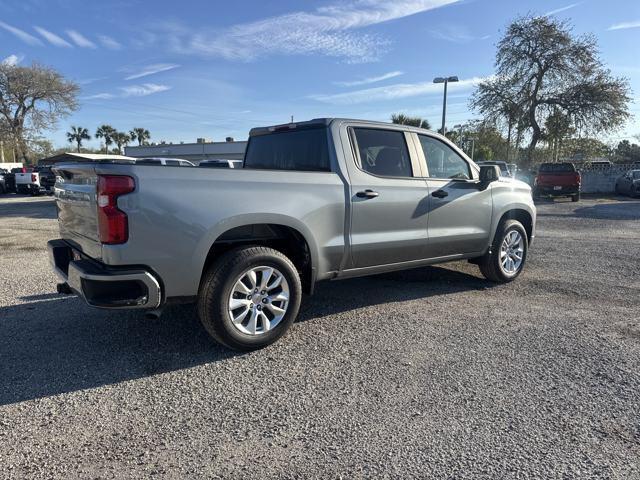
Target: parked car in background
{"points": [[35, 180], [24, 178], [7, 181], [220, 163], [603, 164], [3, 183], [172, 162], [629, 183], [504, 167], [557, 180], [46, 179], [319, 200]]}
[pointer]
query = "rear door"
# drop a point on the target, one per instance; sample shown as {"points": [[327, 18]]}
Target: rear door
{"points": [[459, 210], [388, 198], [75, 192]]}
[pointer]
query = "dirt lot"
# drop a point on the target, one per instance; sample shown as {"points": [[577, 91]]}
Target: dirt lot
{"points": [[428, 373]]}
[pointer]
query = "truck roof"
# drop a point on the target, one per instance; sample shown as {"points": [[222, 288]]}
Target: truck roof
{"points": [[315, 123]]}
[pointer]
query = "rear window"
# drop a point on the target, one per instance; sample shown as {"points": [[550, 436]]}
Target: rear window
{"points": [[305, 150], [557, 167], [148, 161]]}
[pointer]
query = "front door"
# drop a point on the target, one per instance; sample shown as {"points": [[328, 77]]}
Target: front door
{"points": [[459, 219]]}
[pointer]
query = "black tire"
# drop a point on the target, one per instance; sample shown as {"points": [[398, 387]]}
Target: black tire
{"points": [[218, 283], [575, 198], [490, 265]]}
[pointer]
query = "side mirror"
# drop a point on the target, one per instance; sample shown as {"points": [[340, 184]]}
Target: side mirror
{"points": [[489, 173]]}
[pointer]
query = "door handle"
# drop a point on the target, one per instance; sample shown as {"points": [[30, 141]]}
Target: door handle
{"points": [[440, 194], [368, 193]]}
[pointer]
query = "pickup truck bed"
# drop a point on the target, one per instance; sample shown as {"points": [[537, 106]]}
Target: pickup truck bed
{"points": [[318, 200]]}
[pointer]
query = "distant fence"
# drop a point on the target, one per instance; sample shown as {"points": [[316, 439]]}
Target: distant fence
{"points": [[602, 178]]}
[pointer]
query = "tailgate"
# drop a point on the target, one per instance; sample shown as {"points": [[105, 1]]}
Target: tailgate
{"points": [[75, 192], [557, 178]]}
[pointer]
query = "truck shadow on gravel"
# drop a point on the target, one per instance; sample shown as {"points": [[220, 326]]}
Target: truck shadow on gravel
{"points": [[56, 344]]}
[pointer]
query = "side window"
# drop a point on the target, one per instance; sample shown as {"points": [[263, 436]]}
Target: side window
{"points": [[172, 163], [442, 160], [383, 152]]}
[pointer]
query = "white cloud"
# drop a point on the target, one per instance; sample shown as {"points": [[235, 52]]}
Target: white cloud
{"points": [[561, 9], [393, 92], [325, 30], [455, 34], [80, 40], [109, 42], [52, 38], [12, 60], [152, 69], [367, 81], [625, 25], [21, 34], [143, 90], [99, 96]]}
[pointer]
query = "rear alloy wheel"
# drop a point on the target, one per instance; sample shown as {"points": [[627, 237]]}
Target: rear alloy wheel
{"points": [[259, 300], [508, 253], [249, 297], [575, 198]]}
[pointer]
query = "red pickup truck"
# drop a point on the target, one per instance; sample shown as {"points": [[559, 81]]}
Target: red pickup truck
{"points": [[557, 180]]}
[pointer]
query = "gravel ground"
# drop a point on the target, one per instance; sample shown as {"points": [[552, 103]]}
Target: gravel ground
{"points": [[431, 373]]}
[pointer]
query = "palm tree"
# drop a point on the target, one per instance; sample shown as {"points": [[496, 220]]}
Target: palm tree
{"points": [[121, 139], [402, 119], [140, 134], [78, 134], [106, 132]]}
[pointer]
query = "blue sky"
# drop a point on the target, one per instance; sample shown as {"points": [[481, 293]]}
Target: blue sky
{"points": [[215, 69]]}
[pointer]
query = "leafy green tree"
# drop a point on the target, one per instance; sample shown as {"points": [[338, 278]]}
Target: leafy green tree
{"points": [[582, 149], [142, 135], [627, 152], [542, 67], [120, 139], [557, 127], [33, 99], [483, 153], [77, 135], [402, 119], [106, 132]]}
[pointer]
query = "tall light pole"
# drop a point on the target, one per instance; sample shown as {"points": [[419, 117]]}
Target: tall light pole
{"points": [[446, 81]]}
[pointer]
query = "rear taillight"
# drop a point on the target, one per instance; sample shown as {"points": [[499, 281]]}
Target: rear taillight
{"points": [[112, 222], [34, 178], [577, 178]]}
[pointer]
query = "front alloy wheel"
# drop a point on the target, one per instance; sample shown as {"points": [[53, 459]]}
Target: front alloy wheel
{"points": [[512, 252], [508, 253]]}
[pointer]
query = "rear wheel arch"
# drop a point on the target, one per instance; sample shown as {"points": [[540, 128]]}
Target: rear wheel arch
{"points": [[283, 238]]}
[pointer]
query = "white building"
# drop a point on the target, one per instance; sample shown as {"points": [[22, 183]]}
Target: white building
{"points": [[201, 150]]}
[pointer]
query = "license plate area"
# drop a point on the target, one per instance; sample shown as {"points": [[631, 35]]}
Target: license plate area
{"points": [[557, 187]]}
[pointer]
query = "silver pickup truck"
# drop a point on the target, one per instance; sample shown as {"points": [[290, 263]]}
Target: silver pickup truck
{"points": [[320, 200]]}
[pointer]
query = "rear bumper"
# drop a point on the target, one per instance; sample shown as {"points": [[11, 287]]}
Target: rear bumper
{"points": [[103, 286], [552, 191]]}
